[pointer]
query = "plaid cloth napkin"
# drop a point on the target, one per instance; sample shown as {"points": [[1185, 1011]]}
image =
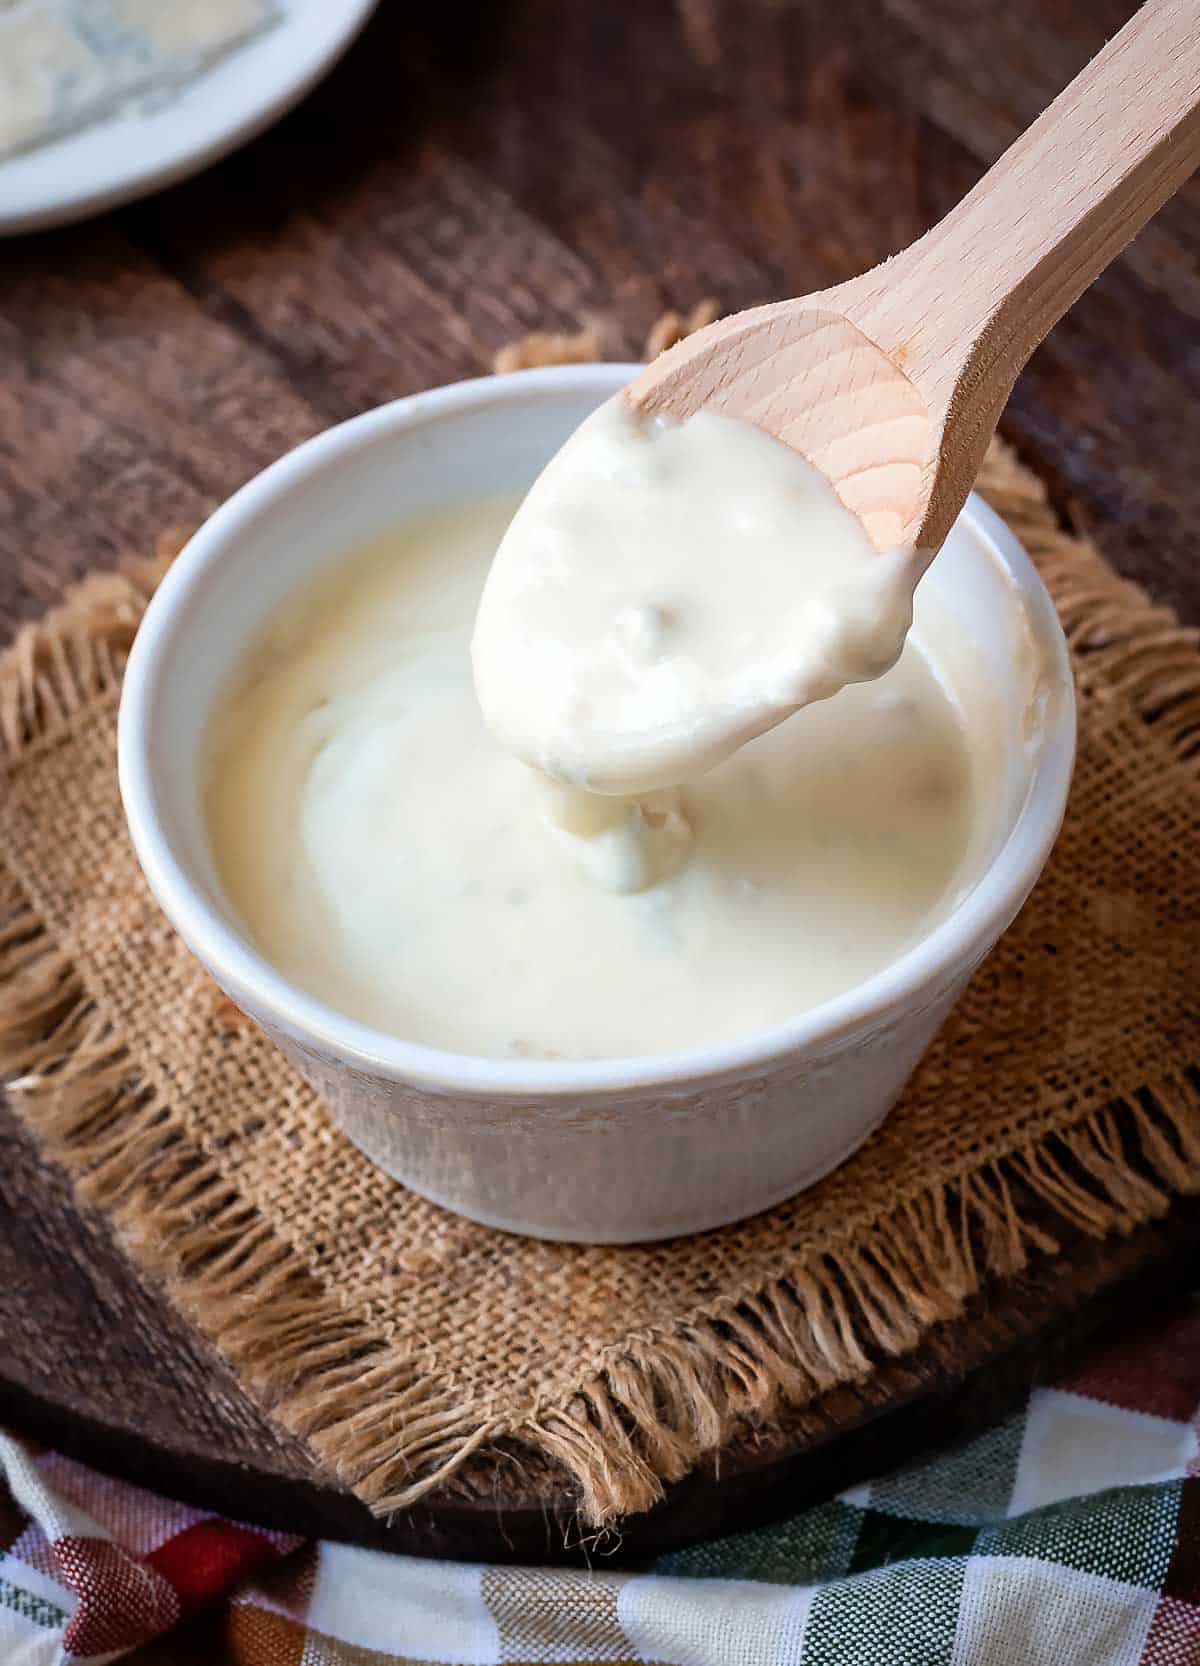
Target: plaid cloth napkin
{"points": [[1070, 1533]]}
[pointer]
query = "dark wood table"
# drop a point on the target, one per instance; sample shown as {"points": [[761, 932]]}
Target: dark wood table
{"points": [[469, 172]]}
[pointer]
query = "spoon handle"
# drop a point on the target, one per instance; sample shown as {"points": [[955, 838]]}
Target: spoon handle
{"points": [[963, 308]]}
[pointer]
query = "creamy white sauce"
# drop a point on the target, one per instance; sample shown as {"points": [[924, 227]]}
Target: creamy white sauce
{"points": [[391, 857], [667, 591]]}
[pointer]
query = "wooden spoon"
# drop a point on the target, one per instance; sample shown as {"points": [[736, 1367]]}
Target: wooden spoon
{"points": [[893, 383]]}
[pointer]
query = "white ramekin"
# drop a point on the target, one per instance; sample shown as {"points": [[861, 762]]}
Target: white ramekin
{"points": [[614, 1150]]}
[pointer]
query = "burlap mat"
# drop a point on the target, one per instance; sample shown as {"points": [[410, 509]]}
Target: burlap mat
{"points": [[398, 1340]]}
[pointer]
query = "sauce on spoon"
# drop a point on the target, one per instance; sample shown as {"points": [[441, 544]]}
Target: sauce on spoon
{"points": [[669, 590]]}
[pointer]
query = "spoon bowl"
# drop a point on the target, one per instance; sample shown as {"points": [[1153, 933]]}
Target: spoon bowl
{"points": [[806, 374]]}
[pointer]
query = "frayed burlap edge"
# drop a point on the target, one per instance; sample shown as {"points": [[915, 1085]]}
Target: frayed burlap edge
{"points": [[648, 1409]]}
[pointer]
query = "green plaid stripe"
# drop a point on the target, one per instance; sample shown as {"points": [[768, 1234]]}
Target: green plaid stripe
{"points": [[904, 1615], [927, 1566], [966, 1485], [30, 1607], [902, 1592], [808, 1550], [1126, 1534]]}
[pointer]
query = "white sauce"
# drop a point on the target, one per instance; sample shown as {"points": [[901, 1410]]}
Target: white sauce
{"points": [[389, 856], [669, 590]]}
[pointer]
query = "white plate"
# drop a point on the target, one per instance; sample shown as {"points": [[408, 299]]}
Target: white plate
{"points": [[132, 154]]}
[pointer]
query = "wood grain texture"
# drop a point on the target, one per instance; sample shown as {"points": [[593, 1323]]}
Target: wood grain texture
{"points": [[804, 372], [470, 172], [893, 382], [963, 309]]}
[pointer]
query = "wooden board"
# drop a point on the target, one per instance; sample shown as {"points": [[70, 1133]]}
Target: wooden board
{"points": [[471, 172], [105, 1371]]}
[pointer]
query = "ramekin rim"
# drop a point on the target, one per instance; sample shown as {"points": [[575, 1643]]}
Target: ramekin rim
{"points": [[951, 947]]}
